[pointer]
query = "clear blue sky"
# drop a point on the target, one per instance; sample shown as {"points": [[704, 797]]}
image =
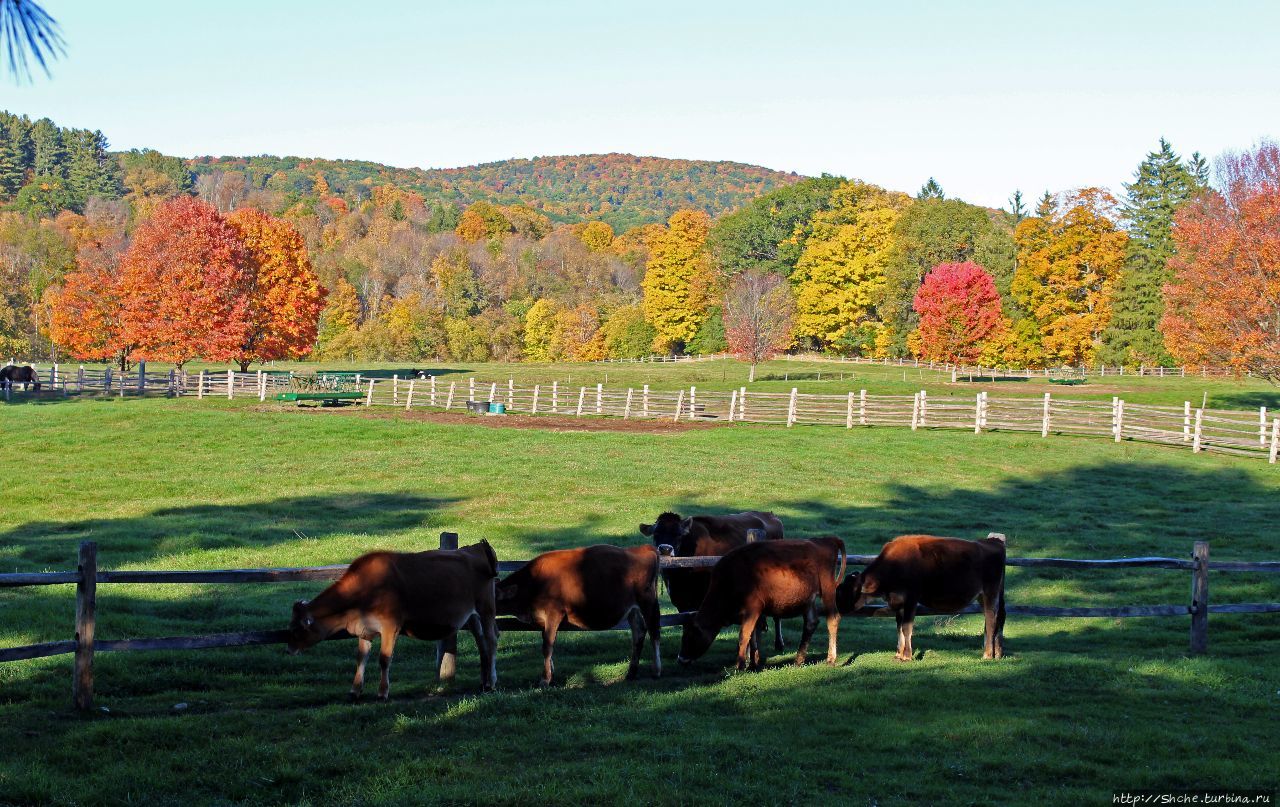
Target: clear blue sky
{"points": [[984, 96]]}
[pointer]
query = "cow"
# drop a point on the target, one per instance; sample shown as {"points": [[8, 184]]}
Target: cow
{"points": [[942, 574], [426, 595], [707, 536], [773, 578], [24, 375], [593, 588]]}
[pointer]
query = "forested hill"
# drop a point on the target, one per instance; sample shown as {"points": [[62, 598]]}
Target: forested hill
{"points": [[622, 189]]}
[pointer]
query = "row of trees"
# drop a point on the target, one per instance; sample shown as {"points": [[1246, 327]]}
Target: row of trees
{"points": [[828, 264]]}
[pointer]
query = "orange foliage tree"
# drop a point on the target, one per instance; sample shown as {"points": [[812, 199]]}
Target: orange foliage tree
{"points": [[284, 295], [1223, 306], [182, 286], [85, 312]]}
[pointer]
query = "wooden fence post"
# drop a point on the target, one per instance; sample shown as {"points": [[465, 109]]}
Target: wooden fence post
{"points": [[395, 388], [536, 389], [693, 399], [924, 407], [231, 384], [742, 403], [733, 404], [471, 388], [511, 391], [1200, 598], [791, 408], [977, 413], [626, 411], [1275, 441], [848, 415], [1114, 404], [582, 397], [433, 390], [86, 607], [1262, 426], [1195, 439], [644, 403], [1044, 420], [862, 407], [1186, 421], [199, 386], [555, 396], [679, 406], [915, 411], [599, 398], [408, 401], [448, 404], [447, 649], [80, 379], [368, 401], [262, 386], [1119, 421]]}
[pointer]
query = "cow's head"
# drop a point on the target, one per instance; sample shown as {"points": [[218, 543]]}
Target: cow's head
{"points": [[304, 631], [506, 594], [694, 642], [671, 530], [854, 592]]}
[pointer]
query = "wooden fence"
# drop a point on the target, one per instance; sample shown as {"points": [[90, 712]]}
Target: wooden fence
{"points": [[1239, 432], [87, 576]]}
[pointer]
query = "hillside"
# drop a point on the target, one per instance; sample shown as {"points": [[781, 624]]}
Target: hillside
{"points": [[622, 189]]}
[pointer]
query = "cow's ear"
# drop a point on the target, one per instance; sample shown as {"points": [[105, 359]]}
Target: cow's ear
{"points": [[686, 524], [646, 529]]}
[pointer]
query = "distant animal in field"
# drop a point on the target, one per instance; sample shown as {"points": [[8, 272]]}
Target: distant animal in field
{"points": [[593, 588], [420, 374], [426, 595], [707, 536], [25, 375], [942, 574], [772, 578]]}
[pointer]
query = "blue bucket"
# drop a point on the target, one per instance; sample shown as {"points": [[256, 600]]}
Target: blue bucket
{"points": [[496, 408]]}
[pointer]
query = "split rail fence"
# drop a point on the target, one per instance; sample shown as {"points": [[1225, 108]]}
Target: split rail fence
{"points": [[87, 576]]}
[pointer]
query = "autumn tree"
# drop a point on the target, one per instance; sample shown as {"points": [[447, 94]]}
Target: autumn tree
{"points": [[182, 283], [626, 333], [679, 281], [597, 235], [959, 310], [86, 312], [1069, 259], [771, 232], [284, 296], [759, 316], [840, 277], [1223, 304], [539, 327]]}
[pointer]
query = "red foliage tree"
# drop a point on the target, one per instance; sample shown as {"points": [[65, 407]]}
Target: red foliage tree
{"points": [[759, 316], [959, 310], [284, 295], [1223, 306], [182, 285]]}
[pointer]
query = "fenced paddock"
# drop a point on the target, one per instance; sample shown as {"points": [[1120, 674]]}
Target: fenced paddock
{"points": [[88, 576]]}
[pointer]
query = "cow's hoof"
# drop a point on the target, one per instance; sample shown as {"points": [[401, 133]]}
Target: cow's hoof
{"points": [[800, 661], [383, 697], [902, 658], [353, 697], [543, 683], [831, 661]]}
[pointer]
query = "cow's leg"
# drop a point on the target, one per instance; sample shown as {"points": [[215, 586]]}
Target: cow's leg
{"points": [[746, 635], [906, 622], [653, 621], [778, 643], [386, 647], [549, 628], [363, 646], [997, 634], [833, 620], [636, 620], [810, 625], [486, 646]]}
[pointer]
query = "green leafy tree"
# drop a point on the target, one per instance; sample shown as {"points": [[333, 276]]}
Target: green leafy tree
{"points": [[626, 333], [1161, 185], [930, 190], [710, 337], [770, 232]]}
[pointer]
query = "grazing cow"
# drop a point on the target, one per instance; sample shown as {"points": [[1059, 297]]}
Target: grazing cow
{"points": [[774, 578], [426, 595], [595, 588], [25, 375], [942, 574], [707, 536]]}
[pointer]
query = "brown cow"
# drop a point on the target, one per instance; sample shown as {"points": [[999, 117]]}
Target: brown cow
{"points": [[942, 574], [594, 588], [426, 595], [707, 536], [774, 578]]}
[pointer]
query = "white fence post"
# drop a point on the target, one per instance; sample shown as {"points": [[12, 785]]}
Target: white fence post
{"points": [[626, 411], [915, 411], [977, 413], [679, 406], [791, 408], [1195, 442], [199, 384], [368, 401], [555, 396], [1044, 420], [582, 396], [80, 379], [1275, 440], [493, 390], [408, 400], [1186, 421], [395, 388], [1262, 426], [742, 403], [848, 416], [536, 390], [448, 404], [924, 407], [644, 403], [471, 388], [511, 391], [262, 386], [599, 398], [1119, 420], [1115, 406], [433, 390], [231, 384]]}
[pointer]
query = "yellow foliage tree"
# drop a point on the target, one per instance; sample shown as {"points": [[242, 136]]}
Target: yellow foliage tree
{"points": [[596, 235], [539, 327], [841, 273], [679, 283], [1069, 263]]}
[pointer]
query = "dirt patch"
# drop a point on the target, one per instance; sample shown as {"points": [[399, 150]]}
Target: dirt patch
{"points": [[554, 423]]}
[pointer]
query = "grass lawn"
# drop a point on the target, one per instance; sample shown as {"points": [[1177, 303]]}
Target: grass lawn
{"points": [[1079, 709]]}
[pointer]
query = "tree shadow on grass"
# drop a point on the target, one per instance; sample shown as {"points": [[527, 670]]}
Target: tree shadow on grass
{"points": [[174, 530], [1246, 400]]}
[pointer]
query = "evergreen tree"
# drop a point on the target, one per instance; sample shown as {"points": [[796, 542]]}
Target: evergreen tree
{"points": [[11, 173], [91, 171], [1199, 168], [1161, 185], [49, 157], [930, 190], [1016, 208]]}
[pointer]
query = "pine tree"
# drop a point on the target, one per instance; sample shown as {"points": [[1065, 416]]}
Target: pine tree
{"points": [[1161, 185], [930, 190], [49, 156], [91, 171], [1199, 168]]}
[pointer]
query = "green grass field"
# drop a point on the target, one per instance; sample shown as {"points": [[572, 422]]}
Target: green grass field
{"points": [[1079, 709]]}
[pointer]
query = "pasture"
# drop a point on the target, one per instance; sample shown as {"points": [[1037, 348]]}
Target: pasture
{"points": [[1079, 709]]}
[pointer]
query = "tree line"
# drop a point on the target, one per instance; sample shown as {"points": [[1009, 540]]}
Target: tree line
{"points": [[828, 264]]}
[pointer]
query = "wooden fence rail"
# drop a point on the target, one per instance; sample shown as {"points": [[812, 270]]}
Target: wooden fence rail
{"points": [[87, 577]]}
